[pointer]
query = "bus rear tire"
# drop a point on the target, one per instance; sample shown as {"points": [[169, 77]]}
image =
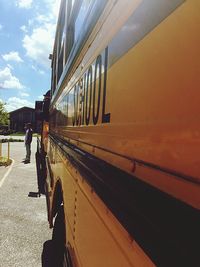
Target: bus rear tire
{"points": [[58, 239]]}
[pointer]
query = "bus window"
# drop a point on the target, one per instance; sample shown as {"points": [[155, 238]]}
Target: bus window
{"points": [[77, 19], [61, 41], [78, 14], [71, 107], [53, 72], [81, 17]]}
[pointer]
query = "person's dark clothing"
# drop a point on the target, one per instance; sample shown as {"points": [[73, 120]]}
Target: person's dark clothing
{"points": [[28, 136], [28, 140]]}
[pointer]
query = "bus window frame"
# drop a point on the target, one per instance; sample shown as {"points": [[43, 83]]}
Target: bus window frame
{"points": [[94, 11], [60, 41]]}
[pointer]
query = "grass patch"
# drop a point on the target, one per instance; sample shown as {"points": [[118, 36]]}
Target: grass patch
{"points": [[5, 140], [22, 134], [5, 161], [17, 134]]}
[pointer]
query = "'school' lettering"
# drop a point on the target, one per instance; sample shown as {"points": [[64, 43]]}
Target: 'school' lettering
{"points": [[88, 97]]}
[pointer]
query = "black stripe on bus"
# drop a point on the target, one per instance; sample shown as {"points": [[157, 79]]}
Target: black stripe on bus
{"points": [[167, 229]]}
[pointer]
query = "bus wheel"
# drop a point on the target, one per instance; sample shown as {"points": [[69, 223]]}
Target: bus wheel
{"points": [[58, 239]]}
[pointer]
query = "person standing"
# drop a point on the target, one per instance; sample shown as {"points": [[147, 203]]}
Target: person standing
{"points": [[28, 140]]}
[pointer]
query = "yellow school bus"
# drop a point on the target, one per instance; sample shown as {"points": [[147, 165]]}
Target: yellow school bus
{"points": [[123, 166]]}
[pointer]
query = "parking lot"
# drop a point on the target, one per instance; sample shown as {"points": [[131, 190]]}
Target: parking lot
{"points": [[24, 228]]}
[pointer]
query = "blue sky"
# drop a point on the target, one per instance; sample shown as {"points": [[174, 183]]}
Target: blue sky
{"points": [[27, 30]]}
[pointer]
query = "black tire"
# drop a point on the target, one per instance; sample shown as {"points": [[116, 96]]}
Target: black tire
{"points": [[58, 239]]}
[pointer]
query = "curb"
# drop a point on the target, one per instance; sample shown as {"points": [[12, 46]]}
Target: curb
{"points": [[7, 173]]}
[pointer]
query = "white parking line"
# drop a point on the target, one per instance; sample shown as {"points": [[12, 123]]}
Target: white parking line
{"points": [[7, 173]]}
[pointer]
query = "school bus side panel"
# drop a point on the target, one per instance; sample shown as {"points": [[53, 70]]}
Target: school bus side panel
{"points": [[151, 101], [91, 230], [152, 97]]}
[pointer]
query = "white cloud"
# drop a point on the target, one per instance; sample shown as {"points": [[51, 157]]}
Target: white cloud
{"points": [[9, 81], [10, 67], [23, 94], [42, 18], [14, 103], [24, 28], [38, 70], [41, 72], [24, 3], [12, 56], [39, 44], [40, 97], [30, 22], [54, 8]]}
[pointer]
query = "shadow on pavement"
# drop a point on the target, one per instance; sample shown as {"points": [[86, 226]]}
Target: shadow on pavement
{"points": [[33, 194]]}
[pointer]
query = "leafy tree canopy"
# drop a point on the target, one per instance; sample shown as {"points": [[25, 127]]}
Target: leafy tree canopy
{"points": [[4, 116]]}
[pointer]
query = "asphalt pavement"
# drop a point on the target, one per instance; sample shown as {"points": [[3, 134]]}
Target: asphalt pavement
{"points": [[24, 229]]}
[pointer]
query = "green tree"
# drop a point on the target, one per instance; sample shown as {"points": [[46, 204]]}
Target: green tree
{"points": [[4, 116]]}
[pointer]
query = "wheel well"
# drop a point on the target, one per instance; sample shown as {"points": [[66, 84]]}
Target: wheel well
{"points": [[58, 199], [58, 208]]}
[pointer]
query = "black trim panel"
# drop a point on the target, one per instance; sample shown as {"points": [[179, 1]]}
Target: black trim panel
{"points": [[167, 229]]}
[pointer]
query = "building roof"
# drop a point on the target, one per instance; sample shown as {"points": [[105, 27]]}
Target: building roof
{"points": [[21, 109]]}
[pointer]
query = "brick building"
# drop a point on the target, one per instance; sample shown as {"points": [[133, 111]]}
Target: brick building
{"points": [[21, 116]]}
